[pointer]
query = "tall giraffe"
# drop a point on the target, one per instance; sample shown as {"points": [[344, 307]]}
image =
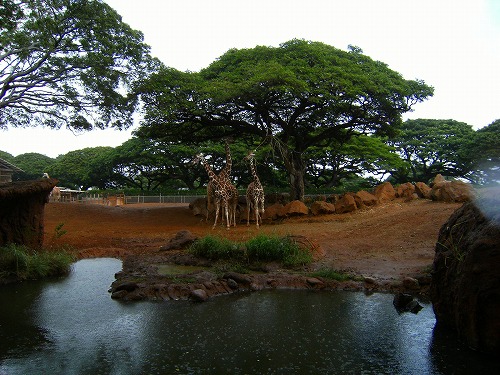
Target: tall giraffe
{"points": [[223, 191], [255, 193], [225, 173]]}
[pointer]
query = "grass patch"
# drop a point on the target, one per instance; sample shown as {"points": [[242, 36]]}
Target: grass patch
{"points": [[261, 248], [17, 261], [331, 274]]}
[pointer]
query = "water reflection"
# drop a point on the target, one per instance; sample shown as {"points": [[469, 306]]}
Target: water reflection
{"points": [[84, 331]]}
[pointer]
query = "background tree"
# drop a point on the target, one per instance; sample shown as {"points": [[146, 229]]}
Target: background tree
{"points": [[299, 95], [85, 168], [33, 164], [484, 151], [67, 62], [361, 156], [433, 146]]}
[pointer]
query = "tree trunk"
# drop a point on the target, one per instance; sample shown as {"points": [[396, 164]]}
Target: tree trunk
{"points": [[296, 170]]}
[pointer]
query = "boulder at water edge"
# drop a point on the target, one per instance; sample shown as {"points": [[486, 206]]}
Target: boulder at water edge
{"points": [[465, 288]]}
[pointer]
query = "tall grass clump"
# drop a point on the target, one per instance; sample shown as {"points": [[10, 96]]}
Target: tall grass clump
{"points": [[17, 261], [274, 248], [216, 248]]}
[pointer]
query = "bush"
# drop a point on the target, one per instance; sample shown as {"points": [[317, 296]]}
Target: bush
{"points": [[22, 263], [215, 248], [258, 249], [331, 274]]}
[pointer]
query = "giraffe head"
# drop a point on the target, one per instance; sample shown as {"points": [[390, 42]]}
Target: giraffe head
{"points": [[250, 155]]}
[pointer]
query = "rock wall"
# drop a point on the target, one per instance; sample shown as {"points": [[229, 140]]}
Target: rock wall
{"points": [[21, 211], [465, 288]]}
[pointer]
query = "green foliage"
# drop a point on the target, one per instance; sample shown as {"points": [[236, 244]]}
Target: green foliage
{"points": [[20, 262], [299, 95], [66, 63], [33, 164], [484, 151], [433, 146], [258, 249], [88, 167], [331, 274], [215, 248]]}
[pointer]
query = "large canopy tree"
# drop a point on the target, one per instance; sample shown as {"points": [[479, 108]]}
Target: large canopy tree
{"points": [[362, 156], [484, 151], [433, 146], [67, 62], [295, 96]]}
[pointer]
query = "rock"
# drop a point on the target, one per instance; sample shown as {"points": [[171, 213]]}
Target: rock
{"points": [[232, 284], [465, 288], [366, 198], [272, 212], [199, 207], [238, 277], [406, 303], [313, 281], [405, 191], [423, 190], [322, 208], [294, 208], [411, 283], [345, 204], [128, 286], [451, 191], [181, 240], [198, 295], [119, 294], [370, 280], [385, 192]]}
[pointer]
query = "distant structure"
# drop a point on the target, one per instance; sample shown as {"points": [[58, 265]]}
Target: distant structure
{"points": [[7, 170]]}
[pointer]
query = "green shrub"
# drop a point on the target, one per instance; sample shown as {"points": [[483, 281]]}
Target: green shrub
{"points": [[215, 248], [258, 249], [331, 274], [282, 249], [22, 263]]}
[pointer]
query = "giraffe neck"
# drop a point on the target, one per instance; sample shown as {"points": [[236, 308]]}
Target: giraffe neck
{"points": [[209, 170], [254, 171], [226, 171]]}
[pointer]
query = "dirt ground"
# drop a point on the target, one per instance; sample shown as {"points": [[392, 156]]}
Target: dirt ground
{"points": [[387, 241]]}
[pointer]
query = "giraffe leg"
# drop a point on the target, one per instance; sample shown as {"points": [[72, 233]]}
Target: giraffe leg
{"points": [[256, 203], [217, 205], [226, 206]]}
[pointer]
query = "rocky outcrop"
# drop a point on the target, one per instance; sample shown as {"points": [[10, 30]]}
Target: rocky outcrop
{"points": [[450, 191], [322, 208], [365, 199], [346, 203], [465, 288], [406, 191], [423, 190], [385, 192], [294, 208], [181, 240]]}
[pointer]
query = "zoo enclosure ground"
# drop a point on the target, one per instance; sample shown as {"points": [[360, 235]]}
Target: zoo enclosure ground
{"points": [[387, 241]]}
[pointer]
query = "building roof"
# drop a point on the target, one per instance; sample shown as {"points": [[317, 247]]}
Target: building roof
{"points": [[6, 166]]}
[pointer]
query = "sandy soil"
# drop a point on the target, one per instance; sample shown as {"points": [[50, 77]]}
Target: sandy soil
{"points": [[388, 241]]}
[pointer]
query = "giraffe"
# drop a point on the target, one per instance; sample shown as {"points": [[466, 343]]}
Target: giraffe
{"points": [[225, 173], [255, 193], [223, 191]]}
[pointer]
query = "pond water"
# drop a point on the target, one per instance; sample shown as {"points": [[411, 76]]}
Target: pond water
{"points": [[72, 326]]}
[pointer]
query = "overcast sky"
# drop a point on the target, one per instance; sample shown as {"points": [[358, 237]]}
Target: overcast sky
{"points": [[453, 45]]}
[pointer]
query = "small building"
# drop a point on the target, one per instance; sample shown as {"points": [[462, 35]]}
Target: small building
{"points": [[7, 170]]}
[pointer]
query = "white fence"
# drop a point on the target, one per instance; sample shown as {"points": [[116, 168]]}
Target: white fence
{"points": [[120, 199]]}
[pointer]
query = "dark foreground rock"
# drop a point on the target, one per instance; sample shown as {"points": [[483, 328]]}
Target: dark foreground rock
{"points": [[465, 288]]}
